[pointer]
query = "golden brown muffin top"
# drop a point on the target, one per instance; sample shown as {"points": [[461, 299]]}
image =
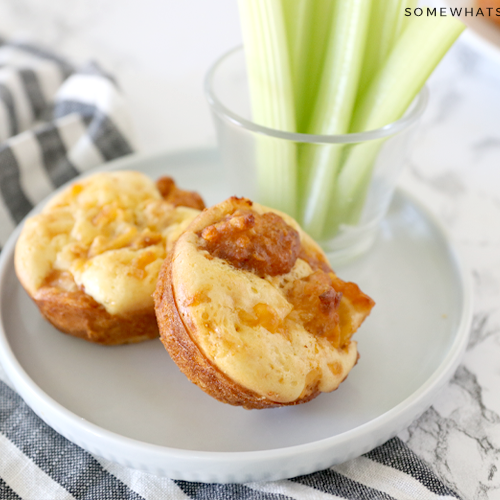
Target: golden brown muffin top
{"points": [[260, 300], [107, 235]]}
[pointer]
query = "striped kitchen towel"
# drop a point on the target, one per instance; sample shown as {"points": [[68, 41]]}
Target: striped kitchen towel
{"points": [[55, 122], [36, 463]]}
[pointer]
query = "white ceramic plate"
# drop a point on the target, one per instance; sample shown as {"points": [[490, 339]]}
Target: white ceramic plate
{"points": [[130, 404], [482, 34]]}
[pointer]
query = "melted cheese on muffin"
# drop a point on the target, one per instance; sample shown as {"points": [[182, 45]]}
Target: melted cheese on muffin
{"points": [[111, 232], [246, 319]]}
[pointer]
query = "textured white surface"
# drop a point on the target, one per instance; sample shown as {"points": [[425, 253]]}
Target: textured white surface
{"points": [[160, 52], [456, 173]]}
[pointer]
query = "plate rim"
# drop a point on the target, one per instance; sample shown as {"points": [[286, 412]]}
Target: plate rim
{"points": [[199, 465]]}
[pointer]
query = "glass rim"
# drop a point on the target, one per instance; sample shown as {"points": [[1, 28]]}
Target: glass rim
{"points": [[414, 112]]}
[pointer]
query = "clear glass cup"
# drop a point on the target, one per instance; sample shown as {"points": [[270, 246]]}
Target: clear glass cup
{"points": [[338, 187]]}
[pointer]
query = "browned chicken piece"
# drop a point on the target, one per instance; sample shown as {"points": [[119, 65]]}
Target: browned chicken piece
{"points": [[178, 197], [264, 244]]}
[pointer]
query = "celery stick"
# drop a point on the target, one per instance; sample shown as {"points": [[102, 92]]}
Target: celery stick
{"points": [[417, 52], [387, 22], [297, 15], [275, 159], [404, 19], [333, 107], [351, 186], [271, 98], [307, 23], [383, 31], [415, 55]]}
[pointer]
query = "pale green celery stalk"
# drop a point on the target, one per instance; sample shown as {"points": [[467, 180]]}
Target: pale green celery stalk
{"points": [[383, 30], [271, 95], [404, 20], [417, 52], [296, 15], [307, 23], [332, 110], [351, 186]]}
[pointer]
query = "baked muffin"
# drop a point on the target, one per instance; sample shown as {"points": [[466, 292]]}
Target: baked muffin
{"points": [[250, 310], [91, 258]]}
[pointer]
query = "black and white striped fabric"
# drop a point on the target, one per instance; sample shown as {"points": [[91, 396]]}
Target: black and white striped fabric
{"points": [[55, 122]]}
